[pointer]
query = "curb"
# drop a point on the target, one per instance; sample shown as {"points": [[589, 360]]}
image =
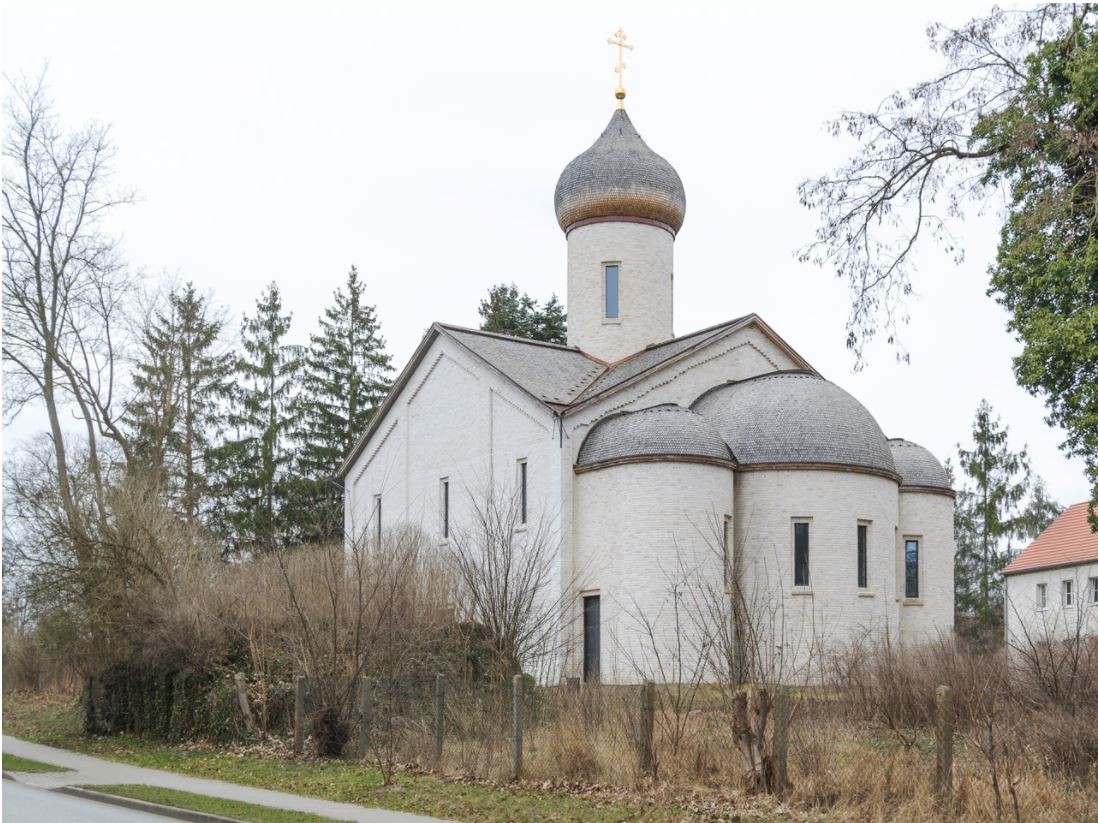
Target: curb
{"points": [[144, 806]]}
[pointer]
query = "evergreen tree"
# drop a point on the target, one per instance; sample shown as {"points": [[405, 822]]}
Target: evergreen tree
{"points": [[506, 311], [346, 377], [180, 379], [991, 512], [255, 459]]}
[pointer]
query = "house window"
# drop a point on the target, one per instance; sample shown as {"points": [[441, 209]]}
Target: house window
{"points": [[377, 518], [591, 639], [800, 554], [1042, 595], [522, 491], [610, 290], [1094, 591], [863, 556], [444, 506], [911, 568], [1067, 592]]}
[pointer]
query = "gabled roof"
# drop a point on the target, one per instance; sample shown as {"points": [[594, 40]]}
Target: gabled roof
{"points": [[561, 377], [1068, 541]]}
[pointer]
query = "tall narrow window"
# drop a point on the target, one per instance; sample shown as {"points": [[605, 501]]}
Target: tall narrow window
{"points": [[800, 554], [591, 639], [1067, 592], [610, 287], [863, 556], [1094, 591], [444, 506], [522, 491], [726, 548], [911, 568], [377, 517], [1042, 595]]}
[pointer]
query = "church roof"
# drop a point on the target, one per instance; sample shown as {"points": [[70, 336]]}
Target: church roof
{"points": [[667, 431], [619, 176], [796, 417], [917, 467], [550, 372]]}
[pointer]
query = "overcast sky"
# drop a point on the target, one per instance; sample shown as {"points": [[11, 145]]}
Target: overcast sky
{"points": [[286, 141]]}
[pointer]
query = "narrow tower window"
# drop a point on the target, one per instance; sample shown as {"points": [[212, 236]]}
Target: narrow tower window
{"points": [[800, 554], [522, 491], [863, 556], [591, 639], [911, 568], [610, 278], [377, 517]]}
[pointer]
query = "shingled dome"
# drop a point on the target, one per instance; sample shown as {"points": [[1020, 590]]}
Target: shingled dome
{"points": [[619, 176], [795, 417], [660, 431], [918, 468]]}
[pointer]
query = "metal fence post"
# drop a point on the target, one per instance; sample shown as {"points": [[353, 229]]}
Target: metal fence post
{"points": [[299, 713], [440, 715], [516, 726], [648, 728], [943, 778]]}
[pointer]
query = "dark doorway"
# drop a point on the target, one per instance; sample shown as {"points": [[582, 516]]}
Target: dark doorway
{"points": [[591, 639]]}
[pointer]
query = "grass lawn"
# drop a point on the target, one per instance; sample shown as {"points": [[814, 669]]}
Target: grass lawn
{"points": [[23, 764], [236, 809], [54, 723]]}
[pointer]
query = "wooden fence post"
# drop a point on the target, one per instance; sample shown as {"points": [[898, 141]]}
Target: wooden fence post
{"points": [[779, 747], [943, 778], [516, 727], [440, 715], [364, 709], [242, 699], [647, 729], [299, 713]]}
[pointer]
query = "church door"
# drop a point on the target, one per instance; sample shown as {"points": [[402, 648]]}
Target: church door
{"points": [[591, 639]]}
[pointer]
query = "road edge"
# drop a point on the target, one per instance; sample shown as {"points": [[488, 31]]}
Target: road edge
{"points": [[144, 805]]}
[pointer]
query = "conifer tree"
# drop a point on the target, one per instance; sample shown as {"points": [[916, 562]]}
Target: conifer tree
{"points": [[1000, 503], [181, 380], [255, 459], [346, 377], [507, 311]]}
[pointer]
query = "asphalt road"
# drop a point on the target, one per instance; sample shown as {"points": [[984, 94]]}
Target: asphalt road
{"points": [[27, 804]]}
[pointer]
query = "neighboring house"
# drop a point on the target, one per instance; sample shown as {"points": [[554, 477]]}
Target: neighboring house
{"points": [[1052, 586], [664, 466]]}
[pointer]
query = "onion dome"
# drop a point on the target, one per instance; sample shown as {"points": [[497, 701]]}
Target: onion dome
{"points": [[660, 432], [619, 176], [918, 468], [796, 418]]}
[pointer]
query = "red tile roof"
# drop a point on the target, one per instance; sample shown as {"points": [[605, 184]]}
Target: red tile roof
{"points": [[1067, 542]]}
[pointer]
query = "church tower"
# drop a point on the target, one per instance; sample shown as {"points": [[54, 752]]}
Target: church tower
{"points": [[620, 206]]}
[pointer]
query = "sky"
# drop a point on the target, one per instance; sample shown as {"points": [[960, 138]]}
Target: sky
{"points": [[422, 143]]}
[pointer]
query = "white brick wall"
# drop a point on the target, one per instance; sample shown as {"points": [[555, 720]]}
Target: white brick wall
{"points": [[641, 529], [928, 517], [1026, 623], [645, 254]]}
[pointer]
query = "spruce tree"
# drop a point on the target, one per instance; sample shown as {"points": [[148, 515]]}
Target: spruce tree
{"points": [[507, 311], [181, 379], [254, 461], [992, 514], [346, 377]]}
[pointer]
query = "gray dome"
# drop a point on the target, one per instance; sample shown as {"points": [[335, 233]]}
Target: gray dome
{"points": [[659, 431], [917, 466], [795, 417], [619, 176]]}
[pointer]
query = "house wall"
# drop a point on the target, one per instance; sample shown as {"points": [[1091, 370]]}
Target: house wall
{"points": [[644, 531], [929, 518], [1025, 623], [645, 254]]}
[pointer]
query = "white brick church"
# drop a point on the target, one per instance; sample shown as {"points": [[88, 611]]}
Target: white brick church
{"points": [[666, 468]]}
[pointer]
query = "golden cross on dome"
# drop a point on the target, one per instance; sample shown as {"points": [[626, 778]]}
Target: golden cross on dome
{"points": [[618, 40]]}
